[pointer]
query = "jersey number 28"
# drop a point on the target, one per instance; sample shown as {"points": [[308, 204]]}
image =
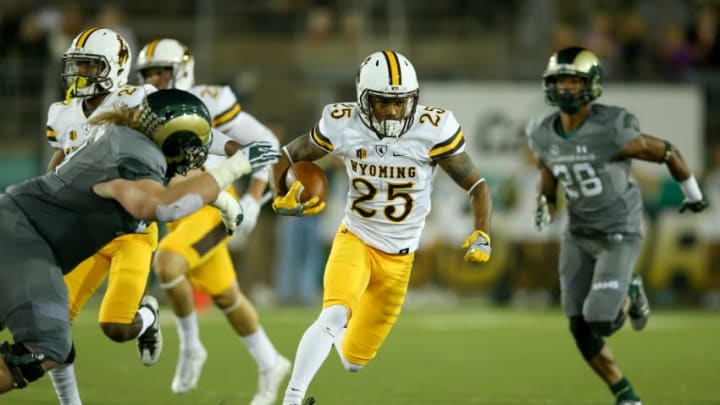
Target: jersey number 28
{"points": [[578, 179]]}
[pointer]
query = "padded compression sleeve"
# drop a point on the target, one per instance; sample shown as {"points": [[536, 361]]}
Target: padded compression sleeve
{"points": [[184, 206]]}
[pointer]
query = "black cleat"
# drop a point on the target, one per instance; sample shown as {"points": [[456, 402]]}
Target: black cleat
{"points": [[150, 342], [639, 310], [309, 401]]}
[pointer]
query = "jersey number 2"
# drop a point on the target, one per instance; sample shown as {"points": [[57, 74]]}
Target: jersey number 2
{"points": [[395, 191], [578, 179]]}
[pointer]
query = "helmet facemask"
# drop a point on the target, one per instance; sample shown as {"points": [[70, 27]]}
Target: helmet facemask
{"points": [[388, 126], [576, 62], [97, 62], [389, 76], [86, 75]]}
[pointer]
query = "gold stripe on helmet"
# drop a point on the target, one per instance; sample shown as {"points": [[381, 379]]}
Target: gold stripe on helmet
{"points": [[227, 115], [393, 68], [51, 134], [151, 48], [84, 36], [188, 122]]}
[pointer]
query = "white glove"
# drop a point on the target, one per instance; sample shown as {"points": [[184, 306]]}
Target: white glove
{"points": [[542, 213], [231, 169], [231, 211], [251, 209]]}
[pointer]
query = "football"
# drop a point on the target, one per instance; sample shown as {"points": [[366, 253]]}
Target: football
{"points": [[311, 176]]}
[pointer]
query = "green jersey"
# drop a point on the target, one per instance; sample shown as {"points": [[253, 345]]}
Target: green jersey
{"points": [[65, 211], [601, 197]]}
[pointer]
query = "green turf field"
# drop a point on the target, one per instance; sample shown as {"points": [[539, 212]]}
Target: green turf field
{"points": [[468, 356]]}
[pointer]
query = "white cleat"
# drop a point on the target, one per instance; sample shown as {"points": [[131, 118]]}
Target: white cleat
{"points": [[188, 370], [270, 381]]}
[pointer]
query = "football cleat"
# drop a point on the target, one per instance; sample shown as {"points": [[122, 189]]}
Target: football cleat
{"points": [[309, 401], [269, 382], [150, 342], [188, 370], [639, 306]]}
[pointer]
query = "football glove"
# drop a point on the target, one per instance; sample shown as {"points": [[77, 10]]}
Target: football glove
{"points": [[478, 247], [290, 205], [251, 158], [231, 212], [542, 213], [694, 206], [260, 154], [251, 211]]}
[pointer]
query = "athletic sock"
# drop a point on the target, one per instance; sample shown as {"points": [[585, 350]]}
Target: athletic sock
{"points": [[261, 349], [65, 384], [188, 332], [314, 347]]}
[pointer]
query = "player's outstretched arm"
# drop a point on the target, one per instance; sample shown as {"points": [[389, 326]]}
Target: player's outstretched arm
{"points": [[463, 171], [652, 149], [148, 199]]}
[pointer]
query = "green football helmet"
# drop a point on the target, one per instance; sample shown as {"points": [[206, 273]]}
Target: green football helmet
{"points": [[572, 61], [179, 123]]}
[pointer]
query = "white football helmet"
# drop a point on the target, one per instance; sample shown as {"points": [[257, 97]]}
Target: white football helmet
{"points": [[172, 54], [97, 62], [387, 74]]}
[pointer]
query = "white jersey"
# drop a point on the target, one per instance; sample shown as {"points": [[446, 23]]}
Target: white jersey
{"points": [[229, 118], [67, 126], [390, 179]]}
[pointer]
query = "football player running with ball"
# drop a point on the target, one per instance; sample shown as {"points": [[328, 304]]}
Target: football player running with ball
{"points": [[588, 148], [194, 252], [392, 148]]}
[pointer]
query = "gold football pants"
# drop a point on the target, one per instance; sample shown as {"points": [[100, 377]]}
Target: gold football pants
{"points": [[126, 260], [201, 239], [372, 285]]}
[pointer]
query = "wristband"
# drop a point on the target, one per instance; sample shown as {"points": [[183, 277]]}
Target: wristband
{"points": [[691, 189]]}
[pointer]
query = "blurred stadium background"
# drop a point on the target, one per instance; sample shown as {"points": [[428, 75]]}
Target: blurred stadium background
{"points": [[482, 59]]}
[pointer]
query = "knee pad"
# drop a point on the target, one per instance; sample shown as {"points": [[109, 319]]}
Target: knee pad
{"points": [[232, 307], [332, 319], [172, 283], [607, 328], [25, 366], [586, 341]]}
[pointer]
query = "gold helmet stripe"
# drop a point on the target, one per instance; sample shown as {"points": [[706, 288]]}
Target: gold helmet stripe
{"points": [[51, 134], [188, 122], [82, 39], [448, 146], [320, 140], [393, 67], [227, 115], [151, 48]]}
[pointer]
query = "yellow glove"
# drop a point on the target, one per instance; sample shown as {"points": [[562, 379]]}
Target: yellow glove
{"points": [[478, 247], [289, 204]]}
